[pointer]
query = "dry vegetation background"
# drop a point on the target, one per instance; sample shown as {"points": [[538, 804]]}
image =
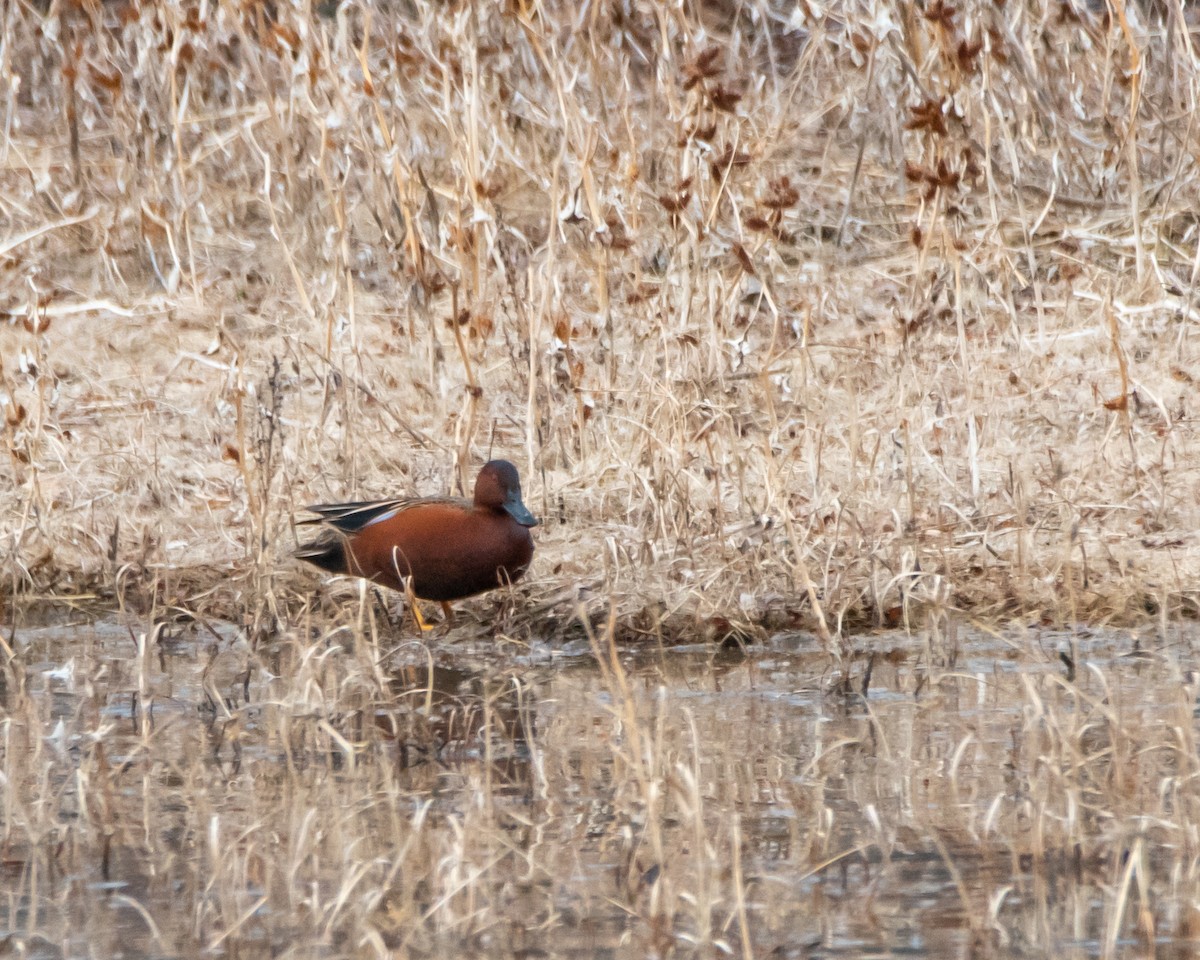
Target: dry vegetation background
{"points": [[789, 314]]}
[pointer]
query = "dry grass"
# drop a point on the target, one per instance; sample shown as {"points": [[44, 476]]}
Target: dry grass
{"points": [[787, 316], [793, 318], [168, 796]]}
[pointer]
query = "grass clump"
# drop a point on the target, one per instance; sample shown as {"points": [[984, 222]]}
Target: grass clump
{"points": [[788, 315]]}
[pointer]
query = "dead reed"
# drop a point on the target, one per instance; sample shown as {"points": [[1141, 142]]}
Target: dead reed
{"points": [[788, 315], [793, 317], [164, 795]]}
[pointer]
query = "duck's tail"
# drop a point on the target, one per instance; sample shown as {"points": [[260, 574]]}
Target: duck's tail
{"points": [[328, 553]]}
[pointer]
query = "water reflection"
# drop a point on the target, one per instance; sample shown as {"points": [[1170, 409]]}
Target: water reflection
{"points": [[169, 790]]}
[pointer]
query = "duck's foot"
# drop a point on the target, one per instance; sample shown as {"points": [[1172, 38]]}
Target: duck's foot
{"points": [[422, 624]]}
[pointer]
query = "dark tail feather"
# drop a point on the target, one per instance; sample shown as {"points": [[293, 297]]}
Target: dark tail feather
{"points": [[352, 517], [327, 554]]}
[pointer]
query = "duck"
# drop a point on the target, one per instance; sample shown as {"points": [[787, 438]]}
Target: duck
{"points": [[432, 548]]}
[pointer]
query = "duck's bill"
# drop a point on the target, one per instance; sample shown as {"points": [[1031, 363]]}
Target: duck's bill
{"points": [[519, 512]]}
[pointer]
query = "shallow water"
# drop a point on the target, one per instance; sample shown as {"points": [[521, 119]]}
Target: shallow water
{"points": [[175, 792]]}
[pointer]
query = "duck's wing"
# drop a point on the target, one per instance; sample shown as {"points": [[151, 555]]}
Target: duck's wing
{"points": [[350, 518]]}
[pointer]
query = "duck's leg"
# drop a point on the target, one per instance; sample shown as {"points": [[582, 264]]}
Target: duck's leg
{"points": [[421, 621], [449, 612], [406, 579], [413, 605]]}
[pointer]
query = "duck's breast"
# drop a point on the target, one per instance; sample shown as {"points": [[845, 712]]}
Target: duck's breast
{"points": [[448, 550]]}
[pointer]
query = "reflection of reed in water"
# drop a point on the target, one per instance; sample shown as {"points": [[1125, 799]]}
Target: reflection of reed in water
{"points": [[453, 716]]}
